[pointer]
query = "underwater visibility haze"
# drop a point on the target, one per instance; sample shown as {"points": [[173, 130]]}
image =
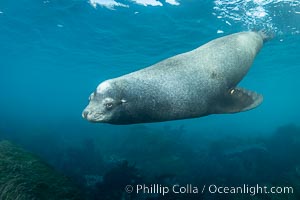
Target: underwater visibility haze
{"points": [[55, 53]]}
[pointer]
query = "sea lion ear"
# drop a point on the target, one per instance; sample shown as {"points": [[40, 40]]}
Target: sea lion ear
{"points": [[237, 100]]}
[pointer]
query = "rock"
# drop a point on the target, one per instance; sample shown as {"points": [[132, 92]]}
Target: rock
{"points": [[24, 176]]}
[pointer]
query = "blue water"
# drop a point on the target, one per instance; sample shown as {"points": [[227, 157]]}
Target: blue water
{"points": [[55, 53]]}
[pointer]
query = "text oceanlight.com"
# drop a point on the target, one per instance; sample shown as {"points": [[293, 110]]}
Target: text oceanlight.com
{"points": [[213, 189]]}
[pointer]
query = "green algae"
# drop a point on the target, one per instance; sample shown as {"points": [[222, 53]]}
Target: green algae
{"points": [[23, 176]]}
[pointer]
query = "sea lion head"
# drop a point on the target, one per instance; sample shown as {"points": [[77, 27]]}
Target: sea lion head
{"points": [[106, 104]]}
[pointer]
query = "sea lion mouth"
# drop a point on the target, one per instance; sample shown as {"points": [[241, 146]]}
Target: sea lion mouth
{"points": [[97, 117], [93, 116]]}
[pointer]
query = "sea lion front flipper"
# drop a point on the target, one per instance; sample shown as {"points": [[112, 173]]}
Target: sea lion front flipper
{"points": [[238, 100]]}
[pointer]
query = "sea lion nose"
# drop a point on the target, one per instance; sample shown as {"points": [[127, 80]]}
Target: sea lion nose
{"points": [[85, 113]]}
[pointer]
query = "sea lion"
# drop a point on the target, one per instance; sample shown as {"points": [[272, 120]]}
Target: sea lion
{"points": [[192, 84]]}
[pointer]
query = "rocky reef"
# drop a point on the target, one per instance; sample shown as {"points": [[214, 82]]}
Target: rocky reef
{"points": [[103, 165], [23, 176]]}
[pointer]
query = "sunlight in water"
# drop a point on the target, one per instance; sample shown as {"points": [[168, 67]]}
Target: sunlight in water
{"points": [[260, 14]]}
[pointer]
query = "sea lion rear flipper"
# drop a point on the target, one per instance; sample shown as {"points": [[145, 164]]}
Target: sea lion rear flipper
{"points": [[238, 100]]}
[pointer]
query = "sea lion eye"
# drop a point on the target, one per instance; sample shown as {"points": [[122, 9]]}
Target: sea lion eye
{"points": [[108, 105]]}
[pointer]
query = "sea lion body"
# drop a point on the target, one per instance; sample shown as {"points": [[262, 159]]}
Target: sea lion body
{"points": [[192, 84]]}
